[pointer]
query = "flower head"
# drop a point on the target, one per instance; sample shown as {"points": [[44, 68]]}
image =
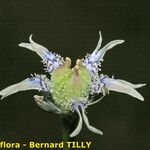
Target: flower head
{"points": [[71, 88]]}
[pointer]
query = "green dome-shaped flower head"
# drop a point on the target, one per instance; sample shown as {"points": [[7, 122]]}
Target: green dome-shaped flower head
{"points": [[69, 85]]}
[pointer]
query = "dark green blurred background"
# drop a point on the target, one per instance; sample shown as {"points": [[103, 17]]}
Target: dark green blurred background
{"points": [[70, 28]]}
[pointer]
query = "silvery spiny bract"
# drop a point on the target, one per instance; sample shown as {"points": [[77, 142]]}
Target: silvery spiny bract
{"points": [[71, 89]]}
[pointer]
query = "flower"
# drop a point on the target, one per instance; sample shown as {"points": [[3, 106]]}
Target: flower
{"points": [[71, 89]]}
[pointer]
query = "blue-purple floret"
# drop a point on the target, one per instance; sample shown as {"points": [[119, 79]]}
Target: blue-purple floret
{"points": [[39, 83], [52, 61]]}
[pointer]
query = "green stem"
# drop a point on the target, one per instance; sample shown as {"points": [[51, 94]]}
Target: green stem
{"points": [[68, 126]]}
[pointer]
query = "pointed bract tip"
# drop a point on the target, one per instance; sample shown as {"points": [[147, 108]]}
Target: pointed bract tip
{"points": [[141, 98], [2, 97], [30, 38], [144, 84], [139, 85], [100, 33], [121, 41], [20, 44]]}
